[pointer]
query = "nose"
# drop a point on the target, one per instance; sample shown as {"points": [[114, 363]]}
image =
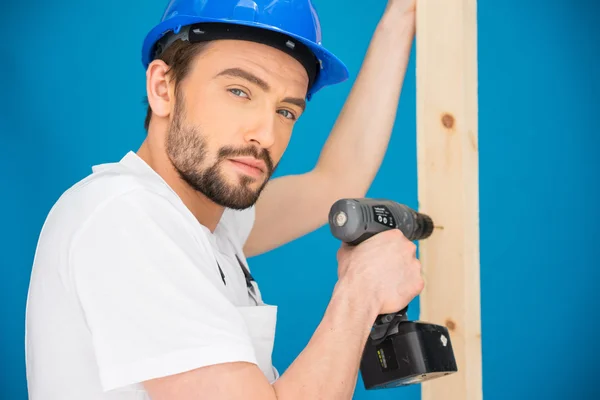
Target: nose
{"points": [[261, 130]]}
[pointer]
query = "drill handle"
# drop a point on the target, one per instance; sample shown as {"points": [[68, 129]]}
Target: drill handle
{"points": [[386, 323]]}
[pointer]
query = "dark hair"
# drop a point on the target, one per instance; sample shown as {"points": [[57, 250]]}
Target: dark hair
{"points": [[178, 57]]}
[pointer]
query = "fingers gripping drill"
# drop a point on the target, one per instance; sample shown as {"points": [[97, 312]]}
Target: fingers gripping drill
{"points": [[398, 352]]}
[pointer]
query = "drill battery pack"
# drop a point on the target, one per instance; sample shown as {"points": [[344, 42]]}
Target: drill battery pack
{"points": [[416, 352]]}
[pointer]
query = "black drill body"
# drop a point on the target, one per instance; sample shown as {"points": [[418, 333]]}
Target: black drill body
{"points": [[398, 352]]}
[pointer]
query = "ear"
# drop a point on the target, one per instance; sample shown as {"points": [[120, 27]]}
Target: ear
{"points": [[160, 97]]}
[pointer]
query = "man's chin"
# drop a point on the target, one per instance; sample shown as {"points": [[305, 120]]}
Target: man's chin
{"points": [[228, 187], [237, 200], [239, 196]]}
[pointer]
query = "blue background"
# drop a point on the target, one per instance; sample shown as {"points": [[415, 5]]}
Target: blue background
{"points": [[72, 97]]}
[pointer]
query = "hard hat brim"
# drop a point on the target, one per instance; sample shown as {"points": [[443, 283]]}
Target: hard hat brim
{"points": [[332, 69]]}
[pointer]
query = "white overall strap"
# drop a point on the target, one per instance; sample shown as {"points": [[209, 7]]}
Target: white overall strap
{"points": [[250, 282]]}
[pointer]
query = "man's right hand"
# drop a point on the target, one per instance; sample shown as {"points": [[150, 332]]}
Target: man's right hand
{"points": [[383, 269]]}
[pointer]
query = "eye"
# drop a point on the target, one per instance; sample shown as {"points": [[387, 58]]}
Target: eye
{"points": [[287, 114], [238, 93]]}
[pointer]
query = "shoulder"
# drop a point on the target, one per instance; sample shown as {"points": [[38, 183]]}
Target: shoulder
{"points": [[142, 235], [127, 191], [131, 211]]}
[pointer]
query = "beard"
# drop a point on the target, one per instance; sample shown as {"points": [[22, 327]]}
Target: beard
{"points": [[187, 151]]}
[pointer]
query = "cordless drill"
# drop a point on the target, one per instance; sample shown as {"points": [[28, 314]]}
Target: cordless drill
{"points": [[398, 352]]}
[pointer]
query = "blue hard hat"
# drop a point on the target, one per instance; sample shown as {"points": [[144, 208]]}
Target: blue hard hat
{"points": [[266, 21]]}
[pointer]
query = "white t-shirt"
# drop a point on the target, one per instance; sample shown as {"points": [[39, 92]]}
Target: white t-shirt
{"points": [[127, 286]]}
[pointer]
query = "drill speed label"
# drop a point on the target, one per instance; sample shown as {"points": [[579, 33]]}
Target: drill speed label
{"points": [[382, 215]]}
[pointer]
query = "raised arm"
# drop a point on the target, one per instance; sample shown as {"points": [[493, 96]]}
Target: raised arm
{"points": [[355, 147]]}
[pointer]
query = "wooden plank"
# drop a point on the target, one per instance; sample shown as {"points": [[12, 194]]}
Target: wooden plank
{"points": [[447, 136]]}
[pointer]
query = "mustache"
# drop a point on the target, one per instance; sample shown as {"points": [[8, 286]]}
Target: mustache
{"points": [[226, 152]]}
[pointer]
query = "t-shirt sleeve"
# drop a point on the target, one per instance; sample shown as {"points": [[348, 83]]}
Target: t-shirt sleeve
{"points": [[150, 294]]}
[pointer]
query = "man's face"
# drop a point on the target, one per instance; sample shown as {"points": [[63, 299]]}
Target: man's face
{"points": [[233, 119]]}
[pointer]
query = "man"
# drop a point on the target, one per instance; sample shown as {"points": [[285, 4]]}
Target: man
{"points": [[141, 288]]}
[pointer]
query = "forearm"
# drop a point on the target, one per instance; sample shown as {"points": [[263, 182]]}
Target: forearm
{"points": [[328, 367], [356, 146]]}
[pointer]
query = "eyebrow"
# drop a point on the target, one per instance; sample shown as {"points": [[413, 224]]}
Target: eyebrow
{"points": [[296, 101], [250, 77]]}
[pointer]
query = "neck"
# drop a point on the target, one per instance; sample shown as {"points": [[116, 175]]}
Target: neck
{"points": [[206, 211]]}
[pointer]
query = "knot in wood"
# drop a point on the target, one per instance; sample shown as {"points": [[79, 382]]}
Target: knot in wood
{"points": [[448, 120], [451, 325]]}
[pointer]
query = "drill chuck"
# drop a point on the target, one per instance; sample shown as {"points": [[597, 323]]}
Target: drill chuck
{"points": [[424, 226]]}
